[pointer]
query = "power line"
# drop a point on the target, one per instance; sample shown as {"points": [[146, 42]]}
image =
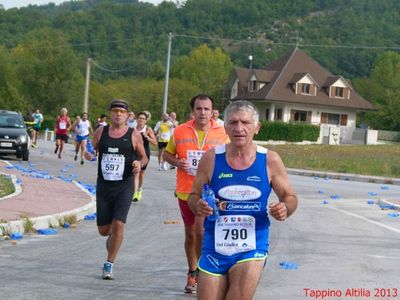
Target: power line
{"points": [[271, 43], [111, 70]]}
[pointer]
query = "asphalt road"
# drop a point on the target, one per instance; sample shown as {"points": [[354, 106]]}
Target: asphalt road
{"points": [[342, 245]]}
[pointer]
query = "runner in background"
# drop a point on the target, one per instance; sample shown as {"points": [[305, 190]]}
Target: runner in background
{"points": [[82, 129], [163, 133], [37, 124], [148, 137], [61, 127]]}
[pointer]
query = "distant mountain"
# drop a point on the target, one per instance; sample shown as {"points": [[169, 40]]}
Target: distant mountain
{"points": [[344, 36]]}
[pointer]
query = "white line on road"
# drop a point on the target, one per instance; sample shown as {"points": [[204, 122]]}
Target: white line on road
{"points": [[365, 219]]}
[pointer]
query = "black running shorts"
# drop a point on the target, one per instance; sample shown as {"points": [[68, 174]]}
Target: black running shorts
{"points": [[113, 200]]}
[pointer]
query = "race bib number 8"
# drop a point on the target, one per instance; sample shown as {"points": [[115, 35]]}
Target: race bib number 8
{"points": [[235, 234], [193, 157], [112, 166]]}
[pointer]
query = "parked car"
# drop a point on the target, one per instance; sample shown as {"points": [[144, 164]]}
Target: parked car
{"points": [[14, 138]]}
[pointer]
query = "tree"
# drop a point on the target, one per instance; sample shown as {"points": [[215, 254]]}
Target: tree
{"points": [[207, 68], [49, 72], [383, 89], [10, 98]]}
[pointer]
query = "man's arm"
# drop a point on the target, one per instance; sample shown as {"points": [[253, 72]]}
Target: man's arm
{"points": [[204, 173], [280, 184], [96, 138]]}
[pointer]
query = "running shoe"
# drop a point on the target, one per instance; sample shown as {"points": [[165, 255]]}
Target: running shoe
{"points": [[55, 150], [82, 162], [107, 271], [75, 157], [137, 196], [191, 284], [165, 167]]}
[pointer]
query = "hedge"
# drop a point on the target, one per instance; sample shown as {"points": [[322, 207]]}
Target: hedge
{"points": [[279, 131]]}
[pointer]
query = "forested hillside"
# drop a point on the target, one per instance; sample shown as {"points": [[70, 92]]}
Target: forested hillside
{"points": [[43, 49]]}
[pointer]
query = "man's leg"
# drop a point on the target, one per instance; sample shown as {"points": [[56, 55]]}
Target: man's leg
{"points": [[61, 148], [83, 149], [243, 279], [116, 233], [160, 152], [77, 146], [191, 247], [211, 287], [58, 141]]}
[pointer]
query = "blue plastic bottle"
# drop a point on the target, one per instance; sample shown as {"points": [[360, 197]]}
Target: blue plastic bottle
{"points": [[208, 195]]}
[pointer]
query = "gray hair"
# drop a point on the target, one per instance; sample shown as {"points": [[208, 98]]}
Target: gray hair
{"points": [[242, 105]]}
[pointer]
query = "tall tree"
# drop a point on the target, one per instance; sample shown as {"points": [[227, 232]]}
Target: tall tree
{"points": [[383, 90], [10, 97], [49, 71], [207, 68]]}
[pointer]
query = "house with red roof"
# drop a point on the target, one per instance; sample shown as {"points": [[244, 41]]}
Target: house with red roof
{"points": [[296, 88]]}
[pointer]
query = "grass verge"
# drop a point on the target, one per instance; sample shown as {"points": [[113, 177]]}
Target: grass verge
{"points": [[375, 160], [6, 186]]}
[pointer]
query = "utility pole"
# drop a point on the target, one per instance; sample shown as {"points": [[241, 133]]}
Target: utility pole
{"points": [[165, 99], [87, 81]]}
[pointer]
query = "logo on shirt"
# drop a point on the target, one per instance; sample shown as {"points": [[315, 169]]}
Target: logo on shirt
{"points": [[253, 178], [242, 206], [223, 175], [112, 150], [239, 192]]}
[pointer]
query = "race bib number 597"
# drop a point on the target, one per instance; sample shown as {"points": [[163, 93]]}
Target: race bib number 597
{"points": [[112, 166]]}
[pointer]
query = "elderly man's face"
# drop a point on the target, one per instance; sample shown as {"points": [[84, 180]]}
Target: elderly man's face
{"points": [[118, 116], [241, 127]]}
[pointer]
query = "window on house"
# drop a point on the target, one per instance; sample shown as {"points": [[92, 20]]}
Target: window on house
{"points": [[305, 88], [253, 86], [339, 92], [298, 116], [267, 114], [333, 119], [278, 114]]}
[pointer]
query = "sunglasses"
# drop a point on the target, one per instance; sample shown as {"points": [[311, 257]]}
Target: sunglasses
{"points": [[119, 110]]}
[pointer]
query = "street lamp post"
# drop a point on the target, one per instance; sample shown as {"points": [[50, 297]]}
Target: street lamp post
{"points": [[165, 99], [87, 81]]}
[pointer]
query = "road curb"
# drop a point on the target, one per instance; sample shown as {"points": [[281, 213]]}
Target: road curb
{"points": [[387, 202], [344, 176], [44, 222]]}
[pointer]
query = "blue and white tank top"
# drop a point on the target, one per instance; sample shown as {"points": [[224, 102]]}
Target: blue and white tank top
{"points": [[243, 224]]}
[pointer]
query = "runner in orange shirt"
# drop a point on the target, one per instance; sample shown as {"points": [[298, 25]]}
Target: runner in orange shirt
{"points": [[184, 150]]}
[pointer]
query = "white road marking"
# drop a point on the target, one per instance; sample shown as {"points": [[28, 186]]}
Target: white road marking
{"points": [[365, 219]]}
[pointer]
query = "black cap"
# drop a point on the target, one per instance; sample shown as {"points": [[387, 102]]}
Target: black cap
{"points": [[118, 103]]}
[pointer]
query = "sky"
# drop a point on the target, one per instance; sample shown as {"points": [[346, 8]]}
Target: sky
{"points": [[20, 3]]}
